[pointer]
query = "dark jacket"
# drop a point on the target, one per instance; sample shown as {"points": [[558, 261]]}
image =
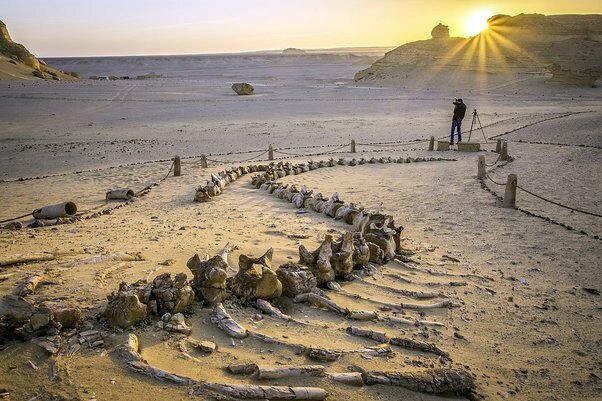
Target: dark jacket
{"points": [[459, 111]]}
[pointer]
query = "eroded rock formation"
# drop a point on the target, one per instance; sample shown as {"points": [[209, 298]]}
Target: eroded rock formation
{"points": [[525, 43], [26, 64]]}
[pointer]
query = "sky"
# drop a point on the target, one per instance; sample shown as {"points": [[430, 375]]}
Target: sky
{"points": [[137, 27]]}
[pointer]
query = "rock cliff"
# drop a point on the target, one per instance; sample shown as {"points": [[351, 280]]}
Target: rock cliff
{"points": [[16, 62], [16, 51], [569, 47]]}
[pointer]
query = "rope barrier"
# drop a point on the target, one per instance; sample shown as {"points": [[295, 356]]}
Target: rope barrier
{"points": [[106, 202], [539, 122], [16, 218], [495, 182], [158, 182], [238, 161], [392, 143], [310, 154], [556, 144], [558, 204], [495, 162]]}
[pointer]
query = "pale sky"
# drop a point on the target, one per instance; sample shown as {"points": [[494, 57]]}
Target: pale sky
{"points": [[133, 27]]}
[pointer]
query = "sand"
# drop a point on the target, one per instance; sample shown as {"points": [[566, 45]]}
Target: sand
{"points": [[525, 325]]}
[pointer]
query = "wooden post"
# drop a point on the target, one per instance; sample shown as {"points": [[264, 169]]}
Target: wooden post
{"points": [[432, 143], [176, 166], [504, 153], [203, 161], [353, 146], [270, 153], [498, 146], [510, 194], [481, 171]]}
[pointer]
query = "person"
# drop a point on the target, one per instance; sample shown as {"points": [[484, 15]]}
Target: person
{"points": [[459, 113]]}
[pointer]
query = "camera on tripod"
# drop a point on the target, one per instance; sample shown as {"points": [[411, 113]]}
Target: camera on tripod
{"points": [[476, 119]]}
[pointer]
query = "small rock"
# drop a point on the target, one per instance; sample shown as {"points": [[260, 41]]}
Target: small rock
{"points": [[15, 226], [243, 88], [207, 346]]}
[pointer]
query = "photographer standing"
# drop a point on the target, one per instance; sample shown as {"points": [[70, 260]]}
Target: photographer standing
{"points": [[459, 113]]}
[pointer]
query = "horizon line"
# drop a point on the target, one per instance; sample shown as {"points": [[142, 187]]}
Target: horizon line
{"points": [[279, 51]]}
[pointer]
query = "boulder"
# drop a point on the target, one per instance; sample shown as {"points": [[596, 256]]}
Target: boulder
{"points": [[243, 88]]}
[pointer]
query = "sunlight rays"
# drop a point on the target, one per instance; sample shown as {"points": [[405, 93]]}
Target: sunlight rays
{"points": [[488, 58]]}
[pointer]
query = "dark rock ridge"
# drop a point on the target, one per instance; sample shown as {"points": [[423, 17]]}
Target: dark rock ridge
{"points": [[567, 46], [293, 51]]}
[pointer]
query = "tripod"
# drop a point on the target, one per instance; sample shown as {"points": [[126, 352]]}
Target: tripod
{"points": [[476, 119]]}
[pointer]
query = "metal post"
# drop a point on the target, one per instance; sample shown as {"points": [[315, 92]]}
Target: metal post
{"points": [[504, 153], [270, 153], [203, 161], [481, 171], [353, 146], [432, 143], [510, 194], [176, 166], [498, 146]]}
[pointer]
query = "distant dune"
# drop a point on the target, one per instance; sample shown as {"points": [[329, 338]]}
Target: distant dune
{"points": [[17, 63], [566, 48]]}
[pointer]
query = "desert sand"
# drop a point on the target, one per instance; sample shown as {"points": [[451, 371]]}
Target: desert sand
{"points": [[523, 324]]}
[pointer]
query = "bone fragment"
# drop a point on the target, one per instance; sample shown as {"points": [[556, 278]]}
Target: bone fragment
{"points": [[111, 257], [352, 378], [419, 345], [7, 260], [442, 304], [271, 310], [280, 371], [29, 286], [242, 368], [433, 381], [374, 335], [321, 301], [248, 391], [225, 322], [297, 348]]}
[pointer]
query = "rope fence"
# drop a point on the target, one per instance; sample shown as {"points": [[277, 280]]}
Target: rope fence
{"points": [[502, 150], [511, 187]]}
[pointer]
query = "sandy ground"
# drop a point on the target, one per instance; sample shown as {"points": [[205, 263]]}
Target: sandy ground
{"points": [[527, 328]]}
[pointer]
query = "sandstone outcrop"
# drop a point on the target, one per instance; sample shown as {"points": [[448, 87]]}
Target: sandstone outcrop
{"points": [[26, 65], [440, 32], [16, 51], [569, 47]]}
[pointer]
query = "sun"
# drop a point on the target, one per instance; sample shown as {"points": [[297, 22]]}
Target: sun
{"points": [[476, 22]]}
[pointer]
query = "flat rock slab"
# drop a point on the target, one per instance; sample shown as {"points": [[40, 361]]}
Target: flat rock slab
{"points": [[442, 145], [469, 147]]}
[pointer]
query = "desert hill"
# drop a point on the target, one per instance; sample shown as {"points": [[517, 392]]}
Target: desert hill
{"points": [[564, 48], [17, 63]]}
